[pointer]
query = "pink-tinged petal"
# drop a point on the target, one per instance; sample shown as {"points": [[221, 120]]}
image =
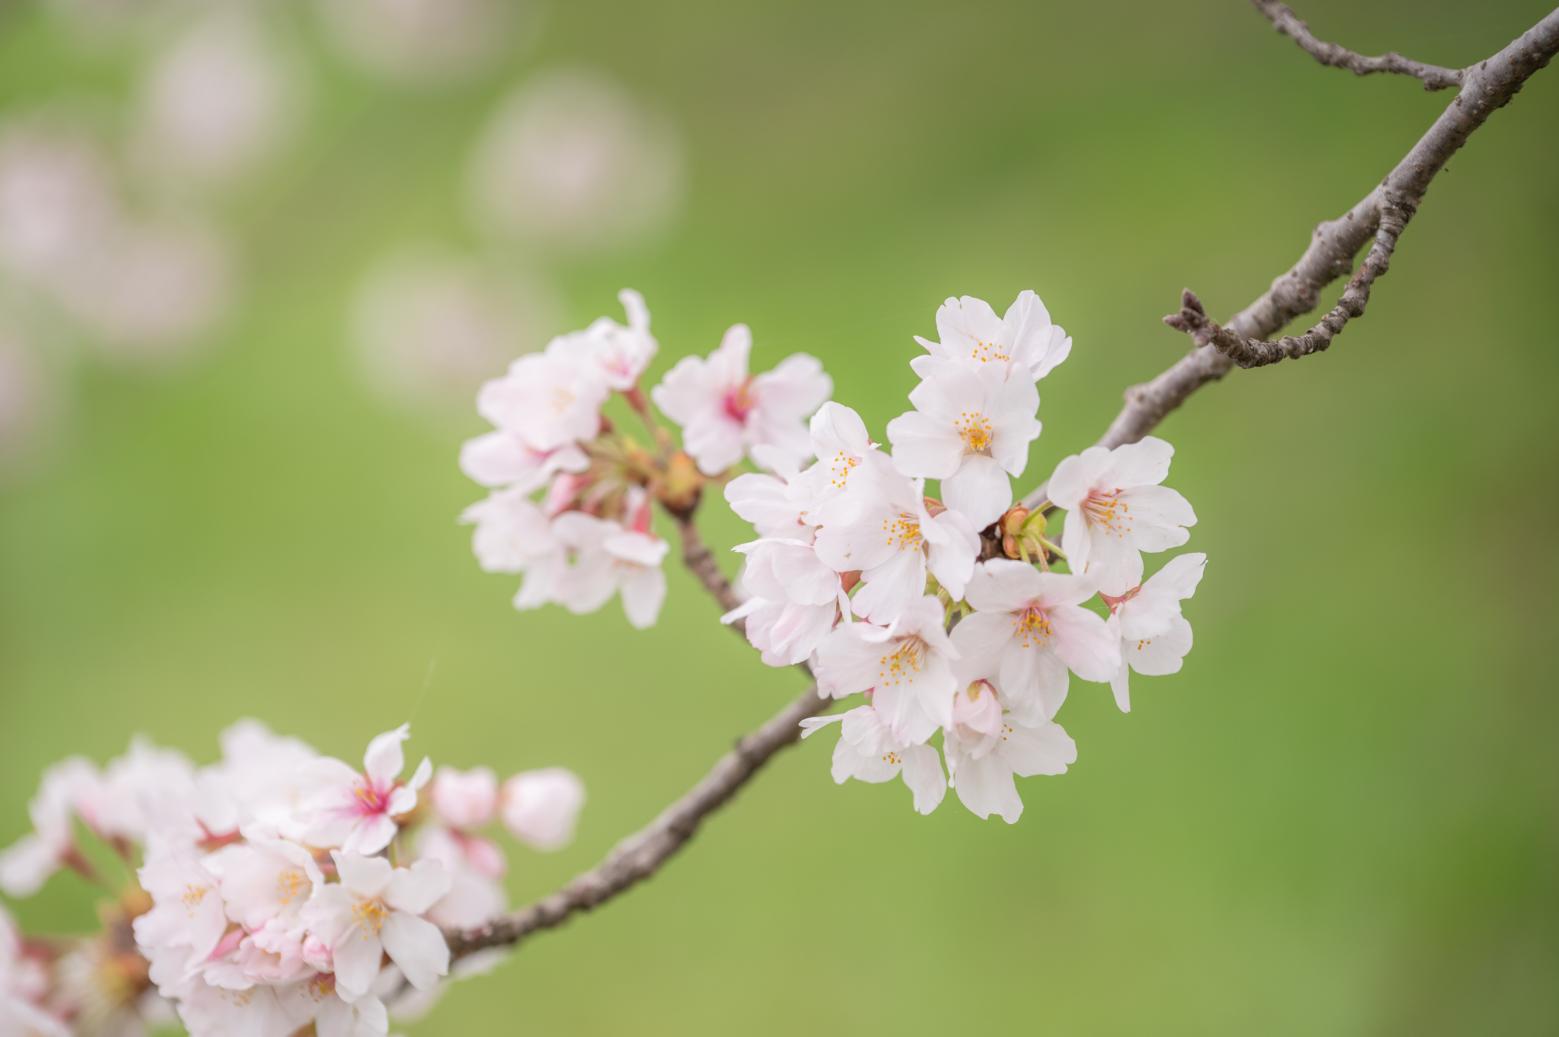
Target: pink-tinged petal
{"points": [[1003, 585], [936, 688], [1142, 463], [385, 759], [981, 638], [1164, 654], [370, 834], [1179, 576], [1014, 425], [498, 459], [970, 330], [902, 709], [642, 594], [1034, 683], [1085, 643], [889, 588], [1114, 566], [714, 441], [729, 362], [812, 725], [923, 774], [417, 947], [836, 428], [1120, 684], [1076, 541], [541, 807], [417, 888], [1075, 476], [356, 961], [985, 786], [26, 865], [1159, 515], [420, 776], [794, 389], [1040, 749], [1058, 589], [685, 390], [847, 663], [980, 489], [364, 876], [924, 446]]}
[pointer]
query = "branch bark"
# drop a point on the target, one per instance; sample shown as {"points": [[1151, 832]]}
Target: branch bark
{"points": [[1330, 254], [1337, 56], [1487, 86]]}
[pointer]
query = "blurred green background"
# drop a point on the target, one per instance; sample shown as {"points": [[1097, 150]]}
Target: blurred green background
{"points": [[1342, 817]]}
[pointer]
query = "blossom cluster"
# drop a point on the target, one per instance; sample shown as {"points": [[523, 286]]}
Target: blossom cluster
{"points": [[956, 614], [275, 890], [572, 493]]}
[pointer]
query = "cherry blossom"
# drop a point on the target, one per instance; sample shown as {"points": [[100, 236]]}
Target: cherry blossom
{"points": [[908, 667], [1030, 629], [724, 411], [23, 988], [464, 799], [1154, 636], [1116, 509], [1024, 340], [541, 807], [68, 790], [376, 910], [970, 429], [987, 747], [548, 400], [357, 812], [868, 750], [885, 529]]}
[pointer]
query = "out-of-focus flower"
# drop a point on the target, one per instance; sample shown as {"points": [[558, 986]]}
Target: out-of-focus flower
{"points": [[358, 812], [428, 325], [1116, 509], [574, 160], [541, 807], [375, 910], [58, 202], [23, 988], [464, 799], [217, 102], [31, 403], [155, 291], [1155, 637], [725, 412], [70, 790], [428, 40]]}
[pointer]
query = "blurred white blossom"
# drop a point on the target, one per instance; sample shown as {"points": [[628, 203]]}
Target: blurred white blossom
{"points": [[428, 40], [573, 159]]}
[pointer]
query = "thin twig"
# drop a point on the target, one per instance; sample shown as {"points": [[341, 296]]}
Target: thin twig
{"points": [[1288, 23], [1329, 256], [1488, 85]]}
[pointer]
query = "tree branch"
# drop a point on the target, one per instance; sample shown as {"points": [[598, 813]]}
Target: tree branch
{"points": [[642, 854], [1488, 86], [1337, 56]]}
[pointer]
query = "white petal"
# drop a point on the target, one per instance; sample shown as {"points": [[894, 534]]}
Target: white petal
{"points": [[1003, 585], [364, 876], [980, 489], [417, 888], [923, 774], [356, 961], [924, 446], [384, 759], [417, 946], [1138, 464]]}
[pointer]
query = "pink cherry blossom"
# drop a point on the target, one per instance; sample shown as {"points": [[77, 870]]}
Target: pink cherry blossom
{"points": [[376, 909], [541, 807], [357, 812]]}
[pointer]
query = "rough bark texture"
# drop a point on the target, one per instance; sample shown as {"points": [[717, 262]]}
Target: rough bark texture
{"points": [[1381, 215], [1433, 76]]}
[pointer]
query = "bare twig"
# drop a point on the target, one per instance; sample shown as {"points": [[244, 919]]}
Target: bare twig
{"points": [[1488, 86], [1433, 76], [701, 562]]}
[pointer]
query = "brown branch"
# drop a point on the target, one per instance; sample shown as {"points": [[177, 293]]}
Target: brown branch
{"points": [[1487, 86], [701, 563], [1329, 256], [643, 853], [1337, 56]]}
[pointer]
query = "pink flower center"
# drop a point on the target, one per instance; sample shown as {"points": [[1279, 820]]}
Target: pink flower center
{"points": [[370, 798], [739, 402], [1104, 510]]}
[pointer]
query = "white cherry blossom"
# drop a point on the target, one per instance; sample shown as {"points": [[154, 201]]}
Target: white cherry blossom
{"points": [[1116, 509], [1029, 630], [725, 412], [1024, 340], [376, 909], [1154, 636], [908, 668], [868, 750], [971, 430], [988, 747]]}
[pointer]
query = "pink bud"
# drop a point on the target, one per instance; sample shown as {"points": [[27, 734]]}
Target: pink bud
{"points": [[540, 807]]}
